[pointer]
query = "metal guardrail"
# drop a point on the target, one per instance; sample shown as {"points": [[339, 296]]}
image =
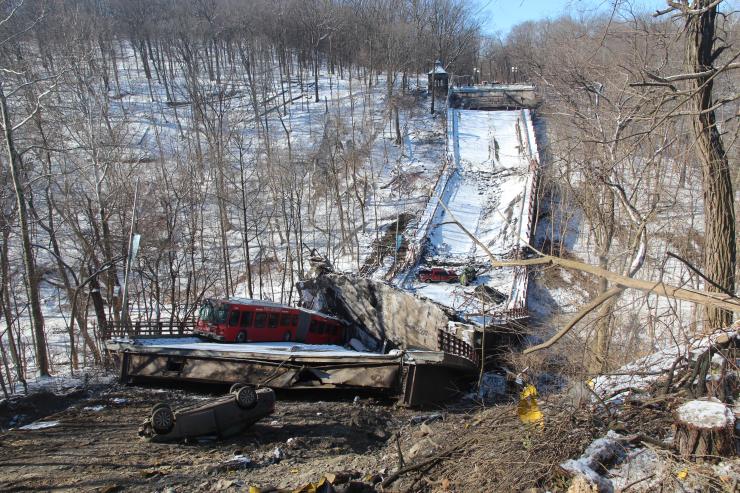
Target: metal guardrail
{"points": [[149, 328], [450, 343]]}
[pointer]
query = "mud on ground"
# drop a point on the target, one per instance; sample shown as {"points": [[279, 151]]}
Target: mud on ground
{"points": [[95, 446]]}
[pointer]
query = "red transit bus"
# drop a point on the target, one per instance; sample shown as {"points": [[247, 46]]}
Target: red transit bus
{"points": [[248, 320]]}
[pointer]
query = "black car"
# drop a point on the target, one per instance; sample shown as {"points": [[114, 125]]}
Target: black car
{"points": [[220, 417]]}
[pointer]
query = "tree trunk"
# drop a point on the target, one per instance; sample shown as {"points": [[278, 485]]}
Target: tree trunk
{"points": [[705, 428], [5, 310], [37, 318], [720, 250]]}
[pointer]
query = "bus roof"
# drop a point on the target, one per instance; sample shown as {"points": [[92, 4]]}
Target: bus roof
{"points": [[272, 304]]}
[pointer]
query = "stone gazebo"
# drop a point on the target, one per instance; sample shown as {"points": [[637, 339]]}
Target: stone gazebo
{"points": [[438, 82]]}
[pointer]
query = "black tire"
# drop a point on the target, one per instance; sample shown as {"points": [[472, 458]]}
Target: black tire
{"points": [[241, 337], [163, 419], [246, 397], [158, 405], [287, 337], [235, 387]]}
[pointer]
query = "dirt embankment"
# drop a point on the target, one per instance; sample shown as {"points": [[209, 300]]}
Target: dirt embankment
{"points": [[94, 445]]}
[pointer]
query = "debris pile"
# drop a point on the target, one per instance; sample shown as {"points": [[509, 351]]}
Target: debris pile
{"points": [[387, 317], [674, 413]]}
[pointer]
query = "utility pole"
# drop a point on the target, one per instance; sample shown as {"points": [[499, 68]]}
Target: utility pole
{"points": [[133, 246]]}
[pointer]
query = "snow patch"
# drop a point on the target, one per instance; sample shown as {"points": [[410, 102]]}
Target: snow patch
{"points": [[706, 414], [39, 425], [602, 451], [96, 409]]}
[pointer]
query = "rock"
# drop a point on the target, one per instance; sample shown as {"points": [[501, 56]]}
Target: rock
{"points": [[379, 433], [422, 447], [342, 477], [295, 443], [236, 463], [582, 485], [425, 429], [588, 467], [278, 454]]}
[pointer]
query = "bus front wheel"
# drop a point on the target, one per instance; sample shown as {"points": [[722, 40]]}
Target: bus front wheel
{"points": [[241, 337], [286, 337]]}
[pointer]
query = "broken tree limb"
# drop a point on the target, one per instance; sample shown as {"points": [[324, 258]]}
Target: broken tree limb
{"points": [[700, 274], [719, 300], [424, 463], [595, 303]]}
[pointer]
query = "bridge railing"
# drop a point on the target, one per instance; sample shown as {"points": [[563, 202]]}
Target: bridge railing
{"points": [[450, 343]]}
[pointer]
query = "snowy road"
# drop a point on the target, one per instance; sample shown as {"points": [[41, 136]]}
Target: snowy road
{"points": [[488, 192]]}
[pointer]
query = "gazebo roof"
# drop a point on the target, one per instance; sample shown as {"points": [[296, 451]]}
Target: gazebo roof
{"points": [[438, 69]]}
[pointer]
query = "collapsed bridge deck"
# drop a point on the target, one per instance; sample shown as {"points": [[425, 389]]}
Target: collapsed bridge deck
{"points": [[416, 377]]}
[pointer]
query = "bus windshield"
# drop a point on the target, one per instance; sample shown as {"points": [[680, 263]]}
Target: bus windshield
{"points": [[206, 312]]}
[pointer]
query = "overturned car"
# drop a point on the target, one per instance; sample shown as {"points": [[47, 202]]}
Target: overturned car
{"points": [[221, 417]]}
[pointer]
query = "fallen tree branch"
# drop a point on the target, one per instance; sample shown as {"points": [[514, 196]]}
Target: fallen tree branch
{"points": [[595, 303], [700, 274], [423, 463]]}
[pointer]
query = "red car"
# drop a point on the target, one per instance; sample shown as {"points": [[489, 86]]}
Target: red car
{"points": [[437, 274]]}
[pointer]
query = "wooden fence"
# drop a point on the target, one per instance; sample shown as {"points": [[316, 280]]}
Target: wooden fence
{"points": [[149, 328]]}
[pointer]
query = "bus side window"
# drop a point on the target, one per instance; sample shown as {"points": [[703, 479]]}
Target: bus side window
{"points": [[285, 320], [321, 328], [246, 319], [294, 321], [259, 319], [313, 327], [273, 321], [234, 318]]}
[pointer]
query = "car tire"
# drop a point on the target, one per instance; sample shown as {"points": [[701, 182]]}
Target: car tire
{"points": [[163, 419], [235, 387], [241, 337], [246, 397], [158, 405]]}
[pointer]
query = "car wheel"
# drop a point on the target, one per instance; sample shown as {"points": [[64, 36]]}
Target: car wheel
{"points": [[235, 387], [163, 419], [158, 405], [286, 337], [246, 397], [241, 337]]}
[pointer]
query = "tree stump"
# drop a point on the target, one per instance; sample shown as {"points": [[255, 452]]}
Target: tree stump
{"points": [[705, 428]]}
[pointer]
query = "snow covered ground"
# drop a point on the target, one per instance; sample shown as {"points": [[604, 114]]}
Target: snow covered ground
{"points": [[271, 348]]}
